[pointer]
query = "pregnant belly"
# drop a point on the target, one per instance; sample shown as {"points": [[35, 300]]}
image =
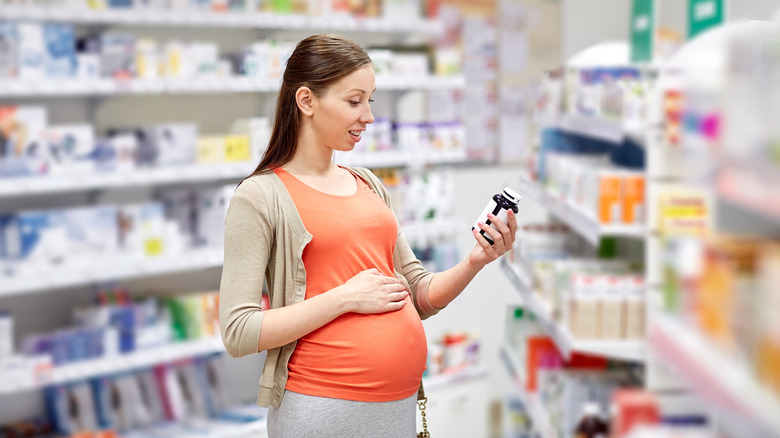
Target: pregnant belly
{"points": [[362, 357]]}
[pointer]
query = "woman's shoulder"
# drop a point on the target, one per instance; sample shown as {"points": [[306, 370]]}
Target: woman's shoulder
{"points": [[367, 175], [259, 188]]}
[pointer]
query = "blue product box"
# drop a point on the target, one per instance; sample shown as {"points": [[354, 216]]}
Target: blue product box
{"points": [[101, 392], [60, 40], [36, 237]]}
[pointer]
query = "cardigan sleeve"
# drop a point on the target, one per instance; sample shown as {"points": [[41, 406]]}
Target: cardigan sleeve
{"points": [[248, 237]]}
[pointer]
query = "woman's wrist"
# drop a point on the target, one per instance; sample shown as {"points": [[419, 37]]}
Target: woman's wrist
{"points": [[341, 302]]}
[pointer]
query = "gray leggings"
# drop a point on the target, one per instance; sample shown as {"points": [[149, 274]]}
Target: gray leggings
{"points": [[305, 416]]}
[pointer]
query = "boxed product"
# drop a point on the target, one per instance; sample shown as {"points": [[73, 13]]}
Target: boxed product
{"points": [[180, 208], [125, 149], [142, 229], [71, 149], [210, 150], [71, 408], [211, 204], [35, 237], [23, 143], [117, 56], [175, 143], [237, 148], [31, 51], [258, 129], [92, 232], [9, 53], [60, 41]]}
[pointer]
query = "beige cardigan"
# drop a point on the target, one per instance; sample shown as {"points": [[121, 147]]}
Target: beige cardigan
{"points": [[265, 238]]}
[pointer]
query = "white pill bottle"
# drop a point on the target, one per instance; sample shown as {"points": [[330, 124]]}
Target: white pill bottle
{"points": [[498, 205]]}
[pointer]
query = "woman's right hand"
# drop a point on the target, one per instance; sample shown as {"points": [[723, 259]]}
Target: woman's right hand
{"points": [[372, 292]]}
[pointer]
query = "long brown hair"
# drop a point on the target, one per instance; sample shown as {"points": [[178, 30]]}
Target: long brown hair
{"points": [[317, 62]]}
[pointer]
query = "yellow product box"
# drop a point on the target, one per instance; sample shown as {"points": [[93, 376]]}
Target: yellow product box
{"points": [[211, 150], [237, 148]]}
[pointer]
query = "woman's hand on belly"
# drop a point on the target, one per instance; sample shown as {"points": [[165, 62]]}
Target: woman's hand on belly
{"points": [[371, 291]]}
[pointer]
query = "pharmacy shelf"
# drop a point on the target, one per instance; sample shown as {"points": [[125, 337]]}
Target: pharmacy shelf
{"points": [[237, 84], [431, 230], [750, 185], [116, 267], [50, 184], [449, 378], [88, 369], [743, 404], [594, 127], [633, 351], [395, 158], [123, 267], [145, 177], [194, 18], [578, 220], [539, 418]]}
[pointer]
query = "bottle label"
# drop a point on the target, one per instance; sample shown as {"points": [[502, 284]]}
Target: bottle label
{"points": [[494, 208]]}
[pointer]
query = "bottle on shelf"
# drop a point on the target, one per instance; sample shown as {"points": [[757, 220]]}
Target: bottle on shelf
{"points": [[591, 424]]}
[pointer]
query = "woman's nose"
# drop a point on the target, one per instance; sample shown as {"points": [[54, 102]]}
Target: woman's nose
{"points": [[368, 116]]}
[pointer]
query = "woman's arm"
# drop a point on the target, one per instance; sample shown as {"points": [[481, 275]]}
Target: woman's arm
{"points": [[445, 286], [367, 292]]}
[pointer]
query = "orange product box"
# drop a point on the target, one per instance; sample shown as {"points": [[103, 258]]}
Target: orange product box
{"points": [[633, 199], [608, 204], [539, 347]]}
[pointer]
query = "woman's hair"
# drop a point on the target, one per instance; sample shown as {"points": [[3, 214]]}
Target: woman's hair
{"points": [[317, 62]]}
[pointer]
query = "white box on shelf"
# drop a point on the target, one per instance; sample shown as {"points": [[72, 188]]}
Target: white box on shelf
{"points": [[70, 149], [175, 143], [212, 206], [23, 146]]}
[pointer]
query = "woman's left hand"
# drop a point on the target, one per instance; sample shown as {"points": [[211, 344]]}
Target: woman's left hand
{"points": [[503, 237]]}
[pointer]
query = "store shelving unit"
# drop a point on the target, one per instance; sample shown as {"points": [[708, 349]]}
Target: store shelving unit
{"points": [[743, 404], [80, 274], [238, 84], [144, 358], [122, 267], [521, 279], [595, 127], [184, 18], [578, 220], [109, 268], [144, 177], [539, 418], [584, 224], [147, 177]]}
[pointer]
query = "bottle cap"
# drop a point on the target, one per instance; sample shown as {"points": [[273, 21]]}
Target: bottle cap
{"points": [[511, 195], [591, 408]]}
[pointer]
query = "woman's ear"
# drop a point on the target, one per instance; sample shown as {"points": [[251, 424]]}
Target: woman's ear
{"points": [[303, 98]]}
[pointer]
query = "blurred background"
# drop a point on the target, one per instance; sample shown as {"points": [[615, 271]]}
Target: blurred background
{"points": [[643, 136]]}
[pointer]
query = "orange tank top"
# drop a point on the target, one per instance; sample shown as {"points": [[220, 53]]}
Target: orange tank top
{"points": [[373, 358]]}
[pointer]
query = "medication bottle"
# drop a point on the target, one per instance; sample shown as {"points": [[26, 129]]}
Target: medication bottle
{"points": [[498, 205], [591, 425]]}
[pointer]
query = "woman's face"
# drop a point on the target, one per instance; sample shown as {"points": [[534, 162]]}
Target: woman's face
{"points": [[341, 114]]}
